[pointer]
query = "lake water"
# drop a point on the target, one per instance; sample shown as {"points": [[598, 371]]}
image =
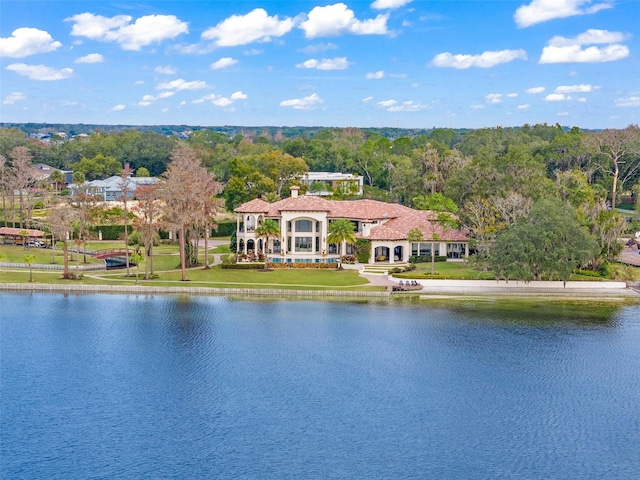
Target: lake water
{"points": [[117, 386]]}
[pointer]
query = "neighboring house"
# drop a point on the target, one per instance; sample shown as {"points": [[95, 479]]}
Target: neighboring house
{"points": [[326, 183], [42, 172], [110, 189], [304, 221]]}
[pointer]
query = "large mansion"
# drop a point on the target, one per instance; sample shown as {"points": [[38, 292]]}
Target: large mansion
{"points": [[304, 221]]}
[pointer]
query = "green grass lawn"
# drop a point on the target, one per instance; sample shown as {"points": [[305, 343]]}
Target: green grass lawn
{"points": [[292, 279], [11, 254], [446, 270], [311, 279]]}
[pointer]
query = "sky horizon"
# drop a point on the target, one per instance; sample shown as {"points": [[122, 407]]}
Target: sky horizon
{"points": [[366, 64]]}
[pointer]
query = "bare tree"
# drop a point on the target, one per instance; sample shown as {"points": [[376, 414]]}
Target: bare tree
{"points": [[512, 206], [147, 222], [22, 177], [126, 189], [61, 222], [180, 190], [617, 154]]}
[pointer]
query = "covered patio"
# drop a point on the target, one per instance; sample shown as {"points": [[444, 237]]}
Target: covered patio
{"points": [[19, 236]]}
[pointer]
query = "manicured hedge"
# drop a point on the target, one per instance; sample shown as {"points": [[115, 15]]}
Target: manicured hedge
{"points": [[323, 265], [363, 250], [110, 232], [225, 229], [242, 266], [427, 258]]}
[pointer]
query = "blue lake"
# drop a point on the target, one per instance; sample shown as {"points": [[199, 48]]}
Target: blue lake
{"points": [[175, 387]]}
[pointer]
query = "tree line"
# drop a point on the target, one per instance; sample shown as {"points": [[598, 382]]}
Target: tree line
{"points": [[499, 177]]}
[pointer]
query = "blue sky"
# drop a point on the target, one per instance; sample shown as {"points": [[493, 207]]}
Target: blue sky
{"points": [[380, 63]]}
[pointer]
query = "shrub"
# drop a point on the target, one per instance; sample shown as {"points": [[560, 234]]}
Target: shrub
{"points": [[225, 229], [349, 259], [243, 266], [427, 258], [363, 250], [323, 265]]}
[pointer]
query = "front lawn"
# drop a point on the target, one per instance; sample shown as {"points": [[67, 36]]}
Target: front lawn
{"points": [[298, 279], [446, 271]]}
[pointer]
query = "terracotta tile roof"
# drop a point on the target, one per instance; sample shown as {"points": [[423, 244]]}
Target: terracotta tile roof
{"points": [[398, 228], [17, 231], [366, 210], [254, 206], [304, 203], [398, 219]]}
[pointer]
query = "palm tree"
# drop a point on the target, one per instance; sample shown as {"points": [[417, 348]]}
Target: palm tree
{"points": [[341, 232], [29, 259], [268, 229]]}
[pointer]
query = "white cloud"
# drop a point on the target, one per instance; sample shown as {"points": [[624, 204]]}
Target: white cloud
{"points": [[181, 84], [131, 36], [367, 99], [239, 96], [542, 10], [168, 70], [27, 41], [535, 90], [307, 103], [255, 26], [149, 99], [387, 103], [14, 97], [340, 63], [408, 106], [40, 72], [224, 62], [575, 54], [582, 99], [117, 108], [576, 88], [220, 101], [628, 102], [91, 58], [478, 107], [485, 60], [511, 95], [494, 98], [375, 75], [557, 97], [571, 50], [389, 4], [563, 114], [319, 48], [524, 107], [337, 19], [591, 36]]}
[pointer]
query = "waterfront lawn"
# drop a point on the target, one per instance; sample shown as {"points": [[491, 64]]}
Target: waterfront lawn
{"points": [[446, 271], [15, 254], [216, 277]]}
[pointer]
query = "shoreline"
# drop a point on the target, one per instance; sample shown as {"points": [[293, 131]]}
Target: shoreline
{"points": [[426, 293]]}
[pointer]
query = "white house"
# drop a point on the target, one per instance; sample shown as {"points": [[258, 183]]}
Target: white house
{"points": [[330, 182], [304, 221], [111, 188]]}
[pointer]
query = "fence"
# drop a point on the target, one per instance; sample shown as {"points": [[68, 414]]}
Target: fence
{"points": [[42, 266]]}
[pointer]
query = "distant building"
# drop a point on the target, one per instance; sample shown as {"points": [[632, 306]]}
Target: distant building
{"points": [[110, 189], [324, 184]]}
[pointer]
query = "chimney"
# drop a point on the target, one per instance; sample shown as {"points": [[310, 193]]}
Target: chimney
{"points": [[294, 191]]}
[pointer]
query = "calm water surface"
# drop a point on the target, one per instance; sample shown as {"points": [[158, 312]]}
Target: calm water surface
{"points": [[108, 387]]}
